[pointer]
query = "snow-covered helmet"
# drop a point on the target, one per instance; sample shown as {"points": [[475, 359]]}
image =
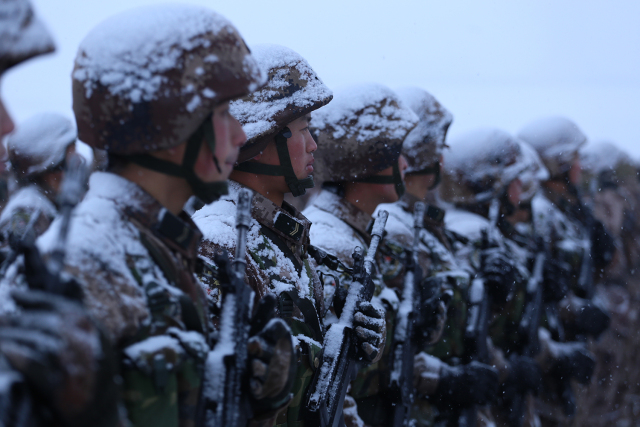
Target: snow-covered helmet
{"points": [[360, 134], [480, 165], [40, 144], [424, 144], [607, 163], [293, 90], [534, 173], [149, 79], [557, 141], [22, 34]]}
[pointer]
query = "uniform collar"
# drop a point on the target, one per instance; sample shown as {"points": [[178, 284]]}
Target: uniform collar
{"points": [[179, 233], [338, 206]]}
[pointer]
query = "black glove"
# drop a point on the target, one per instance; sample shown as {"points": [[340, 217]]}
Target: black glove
{"points": [[67, 362], [499, 274], [524, 375], [557, 279], [272, 358], [573, 360], [370, 328], [592, 320], [464, 385]]}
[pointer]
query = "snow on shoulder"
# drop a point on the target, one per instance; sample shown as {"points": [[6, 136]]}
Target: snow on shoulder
{"points": [[366, 111], [126, 52], [259, 111]]}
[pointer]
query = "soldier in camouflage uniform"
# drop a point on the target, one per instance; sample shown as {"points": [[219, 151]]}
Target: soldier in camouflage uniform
{"points": [[23, 36], [278, 159], [131, 250], [611, 173], [437, 383], [37, 151], [359, 163]]}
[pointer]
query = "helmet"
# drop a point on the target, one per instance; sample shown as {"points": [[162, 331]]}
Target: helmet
{"points": [[360, 134], [534, 173], [40, 144], [608, 163], [23, 35], [479, 166], [557, 141], [293, 90], [148, 79], [424, 144]]}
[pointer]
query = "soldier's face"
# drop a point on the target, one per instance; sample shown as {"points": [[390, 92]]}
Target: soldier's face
{"points": [[229, 138], [387, 192], [6, 127], [514, 191], [575, 173]]}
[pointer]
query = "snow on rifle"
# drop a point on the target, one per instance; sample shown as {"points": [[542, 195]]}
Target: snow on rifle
{"points": [[338, 362], [226, 364]]}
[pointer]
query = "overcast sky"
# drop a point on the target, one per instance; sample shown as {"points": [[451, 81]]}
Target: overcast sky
{"points": [[491, 63]]}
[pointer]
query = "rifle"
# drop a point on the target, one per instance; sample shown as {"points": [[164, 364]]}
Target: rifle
{"points": [[477, 330], [529, 328], [227, 400], [327, 393], [402, 350], [16, 407]]}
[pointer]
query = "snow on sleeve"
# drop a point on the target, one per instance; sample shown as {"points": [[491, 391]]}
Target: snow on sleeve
{"points": [[375, 109], [256, 112], [27, 198], [157, 34]]}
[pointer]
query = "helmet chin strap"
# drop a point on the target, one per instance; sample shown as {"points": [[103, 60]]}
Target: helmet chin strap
{"points": [[208, 192], [298, 187], [433, 169], [395, 178]]}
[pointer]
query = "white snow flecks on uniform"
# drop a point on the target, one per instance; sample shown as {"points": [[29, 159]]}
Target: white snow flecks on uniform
{"points": [[553, 224], [126, 52], [603, 156], [369, 105], [256, 112], [21, 32], [43, 139], [28, 198], [100, 242]]}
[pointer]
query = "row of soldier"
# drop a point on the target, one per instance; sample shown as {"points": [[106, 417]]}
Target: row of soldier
{"points": [[478, 305]]}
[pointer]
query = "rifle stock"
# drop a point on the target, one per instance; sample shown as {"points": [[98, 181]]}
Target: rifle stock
{"points": [[327, 393]]}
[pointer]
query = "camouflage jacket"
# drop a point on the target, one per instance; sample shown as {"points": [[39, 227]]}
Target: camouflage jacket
{"points": [[135, 262], [22, 205], [277, 263], [338, 227]]}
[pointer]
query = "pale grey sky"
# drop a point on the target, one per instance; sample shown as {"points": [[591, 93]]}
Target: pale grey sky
{"points": [[491, 63]]}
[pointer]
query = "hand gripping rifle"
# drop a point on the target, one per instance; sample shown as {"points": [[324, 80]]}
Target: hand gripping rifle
{"points": [[479, 314], [403, 349], [227, 397], [327, 393], [529, 327]]}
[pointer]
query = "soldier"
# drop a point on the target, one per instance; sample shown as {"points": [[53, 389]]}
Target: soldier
{"points": [[151, 87], [37, 151], [360, 135], [437, 383], [23, 36], [278, 159]]}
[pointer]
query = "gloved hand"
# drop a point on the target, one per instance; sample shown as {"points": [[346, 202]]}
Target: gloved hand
{"points": [[272, 358], [499, 274], [370, 328], [573, 360], [464, 385], [64, 357], [524, 375], [557, 279]]}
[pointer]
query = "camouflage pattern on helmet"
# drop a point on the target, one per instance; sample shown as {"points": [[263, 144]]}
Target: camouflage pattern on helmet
{"points": [[360, 133], [480, 165], [23, 35], [293, 89], [557, 141], [146, 79], [606, 162], [424, 144], [40, 144]]}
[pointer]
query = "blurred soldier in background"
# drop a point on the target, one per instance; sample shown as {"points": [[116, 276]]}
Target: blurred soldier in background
{"points": [[37, 152]]}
